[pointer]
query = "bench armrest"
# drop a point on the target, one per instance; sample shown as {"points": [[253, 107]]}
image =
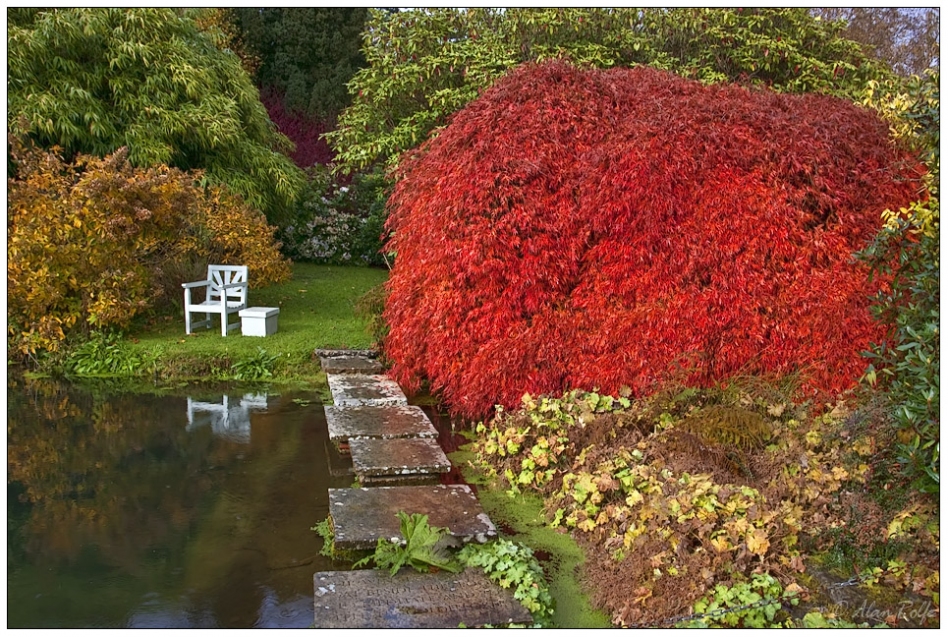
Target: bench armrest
{"points": [[231, 286], [195, 284]]}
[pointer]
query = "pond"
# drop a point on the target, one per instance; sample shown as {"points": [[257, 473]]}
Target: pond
{"points": [[191, 510]]}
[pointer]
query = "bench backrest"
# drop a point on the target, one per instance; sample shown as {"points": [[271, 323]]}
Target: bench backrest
{"points": [[220, 275]]}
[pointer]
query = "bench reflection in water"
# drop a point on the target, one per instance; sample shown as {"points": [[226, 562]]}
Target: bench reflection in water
{"points": [[228, 420]]}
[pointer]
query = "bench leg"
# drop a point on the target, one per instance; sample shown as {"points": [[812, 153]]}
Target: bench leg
{"points": [[233, 326], [187, 315]]}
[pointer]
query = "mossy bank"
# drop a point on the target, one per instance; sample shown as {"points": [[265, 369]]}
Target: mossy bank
{"points": [[561, 557]]}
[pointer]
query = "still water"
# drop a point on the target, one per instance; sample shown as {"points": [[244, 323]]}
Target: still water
{"points": [[190, 510]]}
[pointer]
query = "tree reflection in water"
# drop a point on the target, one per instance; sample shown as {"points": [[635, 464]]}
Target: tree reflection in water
{"points": [[125, 510]]}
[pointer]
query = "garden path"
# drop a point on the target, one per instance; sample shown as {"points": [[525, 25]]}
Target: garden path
{"points": [[393, 443]]}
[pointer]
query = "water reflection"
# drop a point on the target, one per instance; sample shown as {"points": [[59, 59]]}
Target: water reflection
{"points": [[130, 510], [226, 420]]}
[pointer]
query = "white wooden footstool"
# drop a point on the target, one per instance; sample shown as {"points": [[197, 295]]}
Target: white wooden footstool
{"points": [[259, 321]]}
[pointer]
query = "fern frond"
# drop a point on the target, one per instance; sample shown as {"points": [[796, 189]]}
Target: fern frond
{"points": [[728, 426]]}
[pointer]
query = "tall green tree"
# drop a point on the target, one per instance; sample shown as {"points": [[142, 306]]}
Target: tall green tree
{"points": [[306, 54], [423, 65], [94, 80]]}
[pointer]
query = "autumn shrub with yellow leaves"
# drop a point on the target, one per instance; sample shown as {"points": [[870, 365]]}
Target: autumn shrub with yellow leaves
{"points": [[689, 493], [94, 242]]}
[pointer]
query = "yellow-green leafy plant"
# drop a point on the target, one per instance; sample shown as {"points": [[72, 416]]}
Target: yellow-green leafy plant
{"points": [[513, 565], [677, 530], [535, 439], [908, 248], [748, 604]]}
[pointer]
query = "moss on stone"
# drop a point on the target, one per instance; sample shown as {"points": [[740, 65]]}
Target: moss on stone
{"points": [[522, 515]]}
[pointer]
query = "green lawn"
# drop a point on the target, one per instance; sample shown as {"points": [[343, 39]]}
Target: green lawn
{"points": [[317, 310]]}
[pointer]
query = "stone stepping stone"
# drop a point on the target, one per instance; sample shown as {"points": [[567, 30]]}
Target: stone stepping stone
{"points": [[390, 421], [341, 353], [375, 599], [350, 365], [340, 464], [377, 460], [361, 516], [359, 390]]}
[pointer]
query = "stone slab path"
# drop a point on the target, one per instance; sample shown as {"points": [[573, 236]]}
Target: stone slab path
{"points": [[359, 390], [340, 464], [361, 516], [387, 460], [390, 421], [388, 440], [375, 599], [350, 365]]}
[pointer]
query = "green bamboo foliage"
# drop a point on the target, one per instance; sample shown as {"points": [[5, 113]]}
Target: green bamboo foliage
{"points": [[95, 80]]}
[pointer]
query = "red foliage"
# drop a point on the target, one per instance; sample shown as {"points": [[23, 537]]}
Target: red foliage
{"points": [[582, 228], [302, 130]]}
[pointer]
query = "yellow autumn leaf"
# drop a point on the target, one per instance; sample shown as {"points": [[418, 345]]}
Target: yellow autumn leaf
{"points": [[894, 530], [701, 484], [720, 543], [863, 446], [684, 517], [707, 516], [740, 525], [630, 534], [862, 470], [586, 525], [757, 542], [839, 473], [904, 521], [731, 506]]}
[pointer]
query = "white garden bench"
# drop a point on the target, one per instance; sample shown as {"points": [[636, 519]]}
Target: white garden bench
{"points": [[225, 293]]}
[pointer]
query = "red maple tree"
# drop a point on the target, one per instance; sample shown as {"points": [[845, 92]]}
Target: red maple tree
{"points": [[303, 130], [592, 229]]}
